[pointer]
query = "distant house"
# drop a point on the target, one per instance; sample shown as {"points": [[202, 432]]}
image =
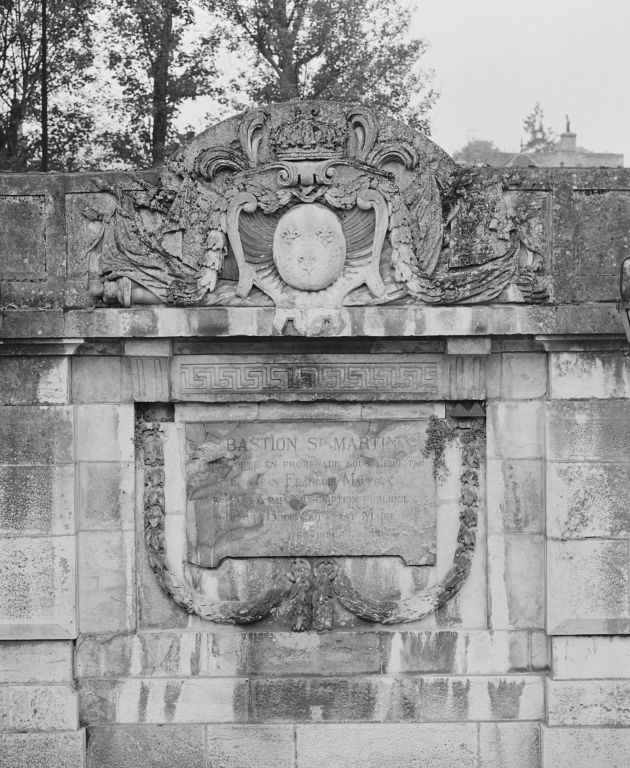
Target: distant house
{"points": [[565, 153]]}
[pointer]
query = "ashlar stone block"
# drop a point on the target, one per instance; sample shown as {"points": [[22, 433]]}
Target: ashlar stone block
{"points": [[43, 750], [37, 584], [590, 657], [439, 745], [173, 700], [106, 581], [516, 495], [106, 495], [105, 432], [588, 499], [596, 375], [587, 431], [37, 380], [588, 702], [38, 708], [516, 566], [36, 500], [587, 586], [99, 380], [514, 697], [146, 746], [572, 747], [515, 429], [27, 661], [250, 746], [509, 745], [524, 375], [32, 434]]}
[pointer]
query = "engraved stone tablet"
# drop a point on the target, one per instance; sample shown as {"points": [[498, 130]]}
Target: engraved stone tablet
{"points": [[309, 247], [310, 488]]}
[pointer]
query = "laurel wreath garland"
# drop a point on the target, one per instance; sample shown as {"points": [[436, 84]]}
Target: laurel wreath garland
{"points": [[310, 585]]}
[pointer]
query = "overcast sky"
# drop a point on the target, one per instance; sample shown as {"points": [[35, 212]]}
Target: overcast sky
{"points": [[494, 59]]}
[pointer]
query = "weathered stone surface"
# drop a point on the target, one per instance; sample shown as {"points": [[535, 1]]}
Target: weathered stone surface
{"points": [[587, 581], [588, 499], [173, 700], [191, 654], [596, 375], [146, 746], [509, 745], [582, 431], [483, 698], [455, 652], [571, 747], [588, 702], [516, 496], [409, 321], [99, 380], [524, 376], [599, 240], [105, 432], [396, 746], [162, 654], [249, 746], [106, 581], [36, 500], [36, 380], [341, 699], [590, 657], [36, 662], [316, 488], [106, 495], [22, 236], [38, 708], [43, 750], [36, 434], [37, 584], [516, 574], [515, 430]]}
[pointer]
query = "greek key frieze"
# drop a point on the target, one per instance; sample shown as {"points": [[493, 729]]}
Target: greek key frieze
{"points": [[234, 377]]}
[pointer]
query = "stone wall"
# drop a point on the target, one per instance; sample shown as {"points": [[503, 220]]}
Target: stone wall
{"points": [[527, 666]]}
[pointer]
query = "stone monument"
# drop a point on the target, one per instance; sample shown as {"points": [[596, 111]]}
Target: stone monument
{"points": [[314, 452]]}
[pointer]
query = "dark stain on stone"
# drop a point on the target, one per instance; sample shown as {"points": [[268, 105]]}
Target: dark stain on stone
{"points": [[142, 702], [195, 659], [297, 503], [171, 697], [505, 698], [242, 706], [426, 651]]}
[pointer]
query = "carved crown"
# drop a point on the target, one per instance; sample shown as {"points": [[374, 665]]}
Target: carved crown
{"points": [[309, 136]]}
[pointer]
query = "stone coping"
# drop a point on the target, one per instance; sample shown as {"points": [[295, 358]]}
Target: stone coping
{"points": [[393, 322]]}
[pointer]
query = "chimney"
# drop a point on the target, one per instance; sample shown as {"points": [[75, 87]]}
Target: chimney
{"points": [[568, 139]]}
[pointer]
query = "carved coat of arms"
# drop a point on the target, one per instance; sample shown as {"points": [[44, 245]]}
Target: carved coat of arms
{"points": [[312, 207]]}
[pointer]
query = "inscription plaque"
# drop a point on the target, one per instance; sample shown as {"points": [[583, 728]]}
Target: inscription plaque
{"points": [[310, 488]]}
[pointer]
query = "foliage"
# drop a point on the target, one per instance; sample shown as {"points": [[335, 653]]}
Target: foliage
{"points": [[342, 50], [539, 137], [479, 151], [159, 60], [69, 58]]}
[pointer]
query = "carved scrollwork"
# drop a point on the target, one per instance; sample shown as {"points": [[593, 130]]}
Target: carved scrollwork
{"points": [[437, 234]]}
